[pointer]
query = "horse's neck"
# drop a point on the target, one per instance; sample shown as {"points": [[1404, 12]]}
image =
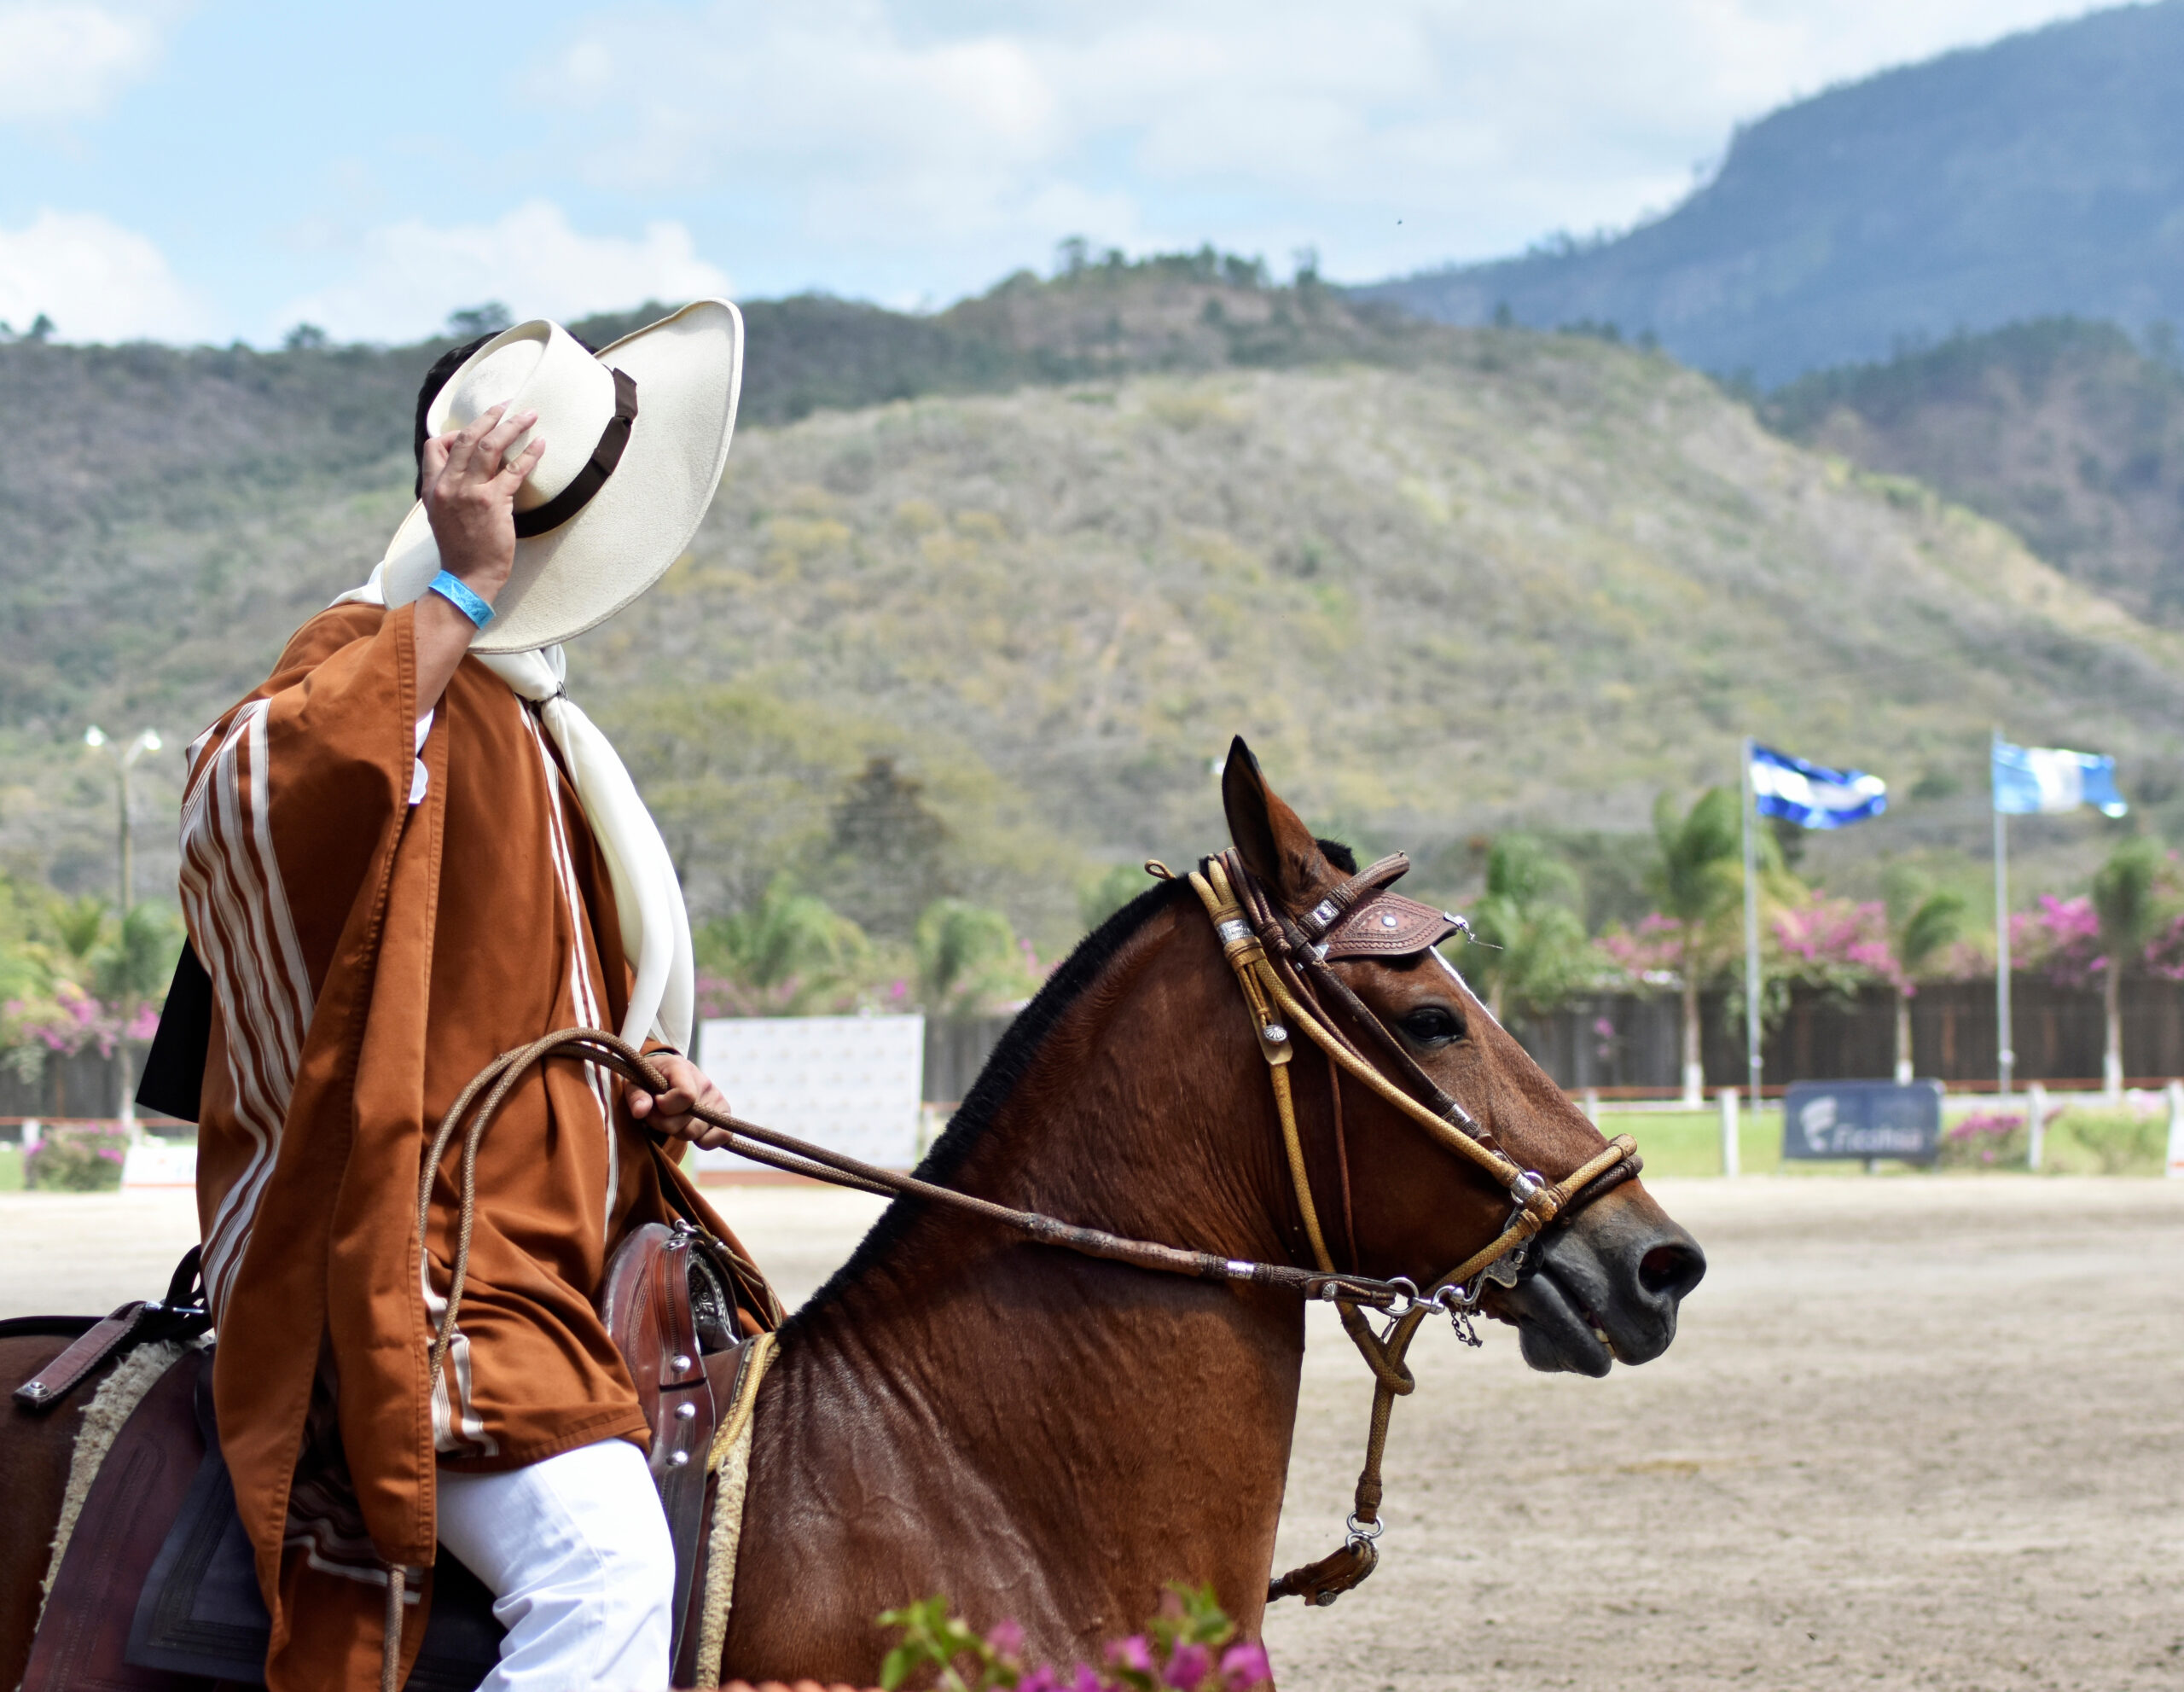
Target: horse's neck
{"points": [[1042, 1436]]}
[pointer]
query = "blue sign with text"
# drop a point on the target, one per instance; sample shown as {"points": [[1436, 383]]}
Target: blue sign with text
{"points": [[1862, 1118]]}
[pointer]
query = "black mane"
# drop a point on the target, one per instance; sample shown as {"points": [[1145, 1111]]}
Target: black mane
{"points": [[1004, 1070]]}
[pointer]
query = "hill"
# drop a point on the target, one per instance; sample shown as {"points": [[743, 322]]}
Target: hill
{"points": [[2064, 430], [1502, 577], [119, 455], [2043, 174]]}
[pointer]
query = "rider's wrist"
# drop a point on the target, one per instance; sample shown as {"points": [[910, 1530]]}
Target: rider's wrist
{"points": [[465, 598]]}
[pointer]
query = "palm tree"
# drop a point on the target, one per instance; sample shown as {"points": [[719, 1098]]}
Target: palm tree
{"points": [[786, 952], [129, 968], [968, 959], [1922, 924], [1529, 942], [2127, 897], [1699, 880]]}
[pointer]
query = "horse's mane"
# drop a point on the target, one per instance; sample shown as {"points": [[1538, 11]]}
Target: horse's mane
{"points": [[1010, 1063]]}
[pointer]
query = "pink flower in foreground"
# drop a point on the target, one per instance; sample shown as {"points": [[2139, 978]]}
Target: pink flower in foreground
{"points": [[1132, 1652], [1188, 1668], [1245, 1667], [1007, 1639]]}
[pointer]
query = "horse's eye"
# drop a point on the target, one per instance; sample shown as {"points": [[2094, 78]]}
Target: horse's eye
{"points": [[1432, 1025]]}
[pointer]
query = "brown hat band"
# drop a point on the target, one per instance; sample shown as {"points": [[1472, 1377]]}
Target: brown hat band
{"points": [[597, 468]]}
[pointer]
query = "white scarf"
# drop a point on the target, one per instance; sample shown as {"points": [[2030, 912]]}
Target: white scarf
{"points": [[648, 896]]}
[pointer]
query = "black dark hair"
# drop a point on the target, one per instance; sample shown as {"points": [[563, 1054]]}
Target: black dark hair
{"points": [[436, 379]]}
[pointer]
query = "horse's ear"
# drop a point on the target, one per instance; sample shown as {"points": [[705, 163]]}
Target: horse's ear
{"points": [[1275, 845]]}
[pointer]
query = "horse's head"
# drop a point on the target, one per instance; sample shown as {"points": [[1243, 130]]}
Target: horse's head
{"points": [[1600, 1285]]}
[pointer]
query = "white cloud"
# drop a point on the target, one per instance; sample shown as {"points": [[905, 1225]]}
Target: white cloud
{"points": [[947, 141], [96, 280], [412, 275], [59, 58]]}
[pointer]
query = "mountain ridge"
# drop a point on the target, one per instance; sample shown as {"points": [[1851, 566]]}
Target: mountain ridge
{"points": [[2067, 431], [2040, 174]]}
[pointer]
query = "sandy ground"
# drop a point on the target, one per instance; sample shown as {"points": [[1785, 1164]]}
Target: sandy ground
{"points": [[1916, 1432]]}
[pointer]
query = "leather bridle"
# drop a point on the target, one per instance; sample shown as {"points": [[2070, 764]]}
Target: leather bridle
{"points": [[1283, 968]]}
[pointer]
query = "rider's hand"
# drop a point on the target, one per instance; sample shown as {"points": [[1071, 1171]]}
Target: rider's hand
{"points": [[670, 1113], [470, 488], [470, 485]]}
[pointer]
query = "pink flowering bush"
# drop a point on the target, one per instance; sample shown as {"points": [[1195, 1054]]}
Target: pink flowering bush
{"points": [[77, 1160], [1651, 953], [1189, 1646], [721, 996], [71, 1020], [1838, 944], [2165, 951], [1985, 1139], [2060, 939]]}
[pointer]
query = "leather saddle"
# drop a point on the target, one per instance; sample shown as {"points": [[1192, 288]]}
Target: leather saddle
{"points": [[158, 1589]]}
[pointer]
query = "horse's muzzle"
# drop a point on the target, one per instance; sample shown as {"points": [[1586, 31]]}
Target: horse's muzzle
{"points": [[1606, 1288]]}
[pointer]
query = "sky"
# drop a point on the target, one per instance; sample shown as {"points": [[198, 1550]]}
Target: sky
{"points": [[226, 169]]}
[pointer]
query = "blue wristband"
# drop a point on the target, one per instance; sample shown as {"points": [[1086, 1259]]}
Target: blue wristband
{"points": [[456, 592]]}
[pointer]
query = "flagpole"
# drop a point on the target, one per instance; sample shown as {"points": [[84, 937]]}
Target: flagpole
{"points": [[2004, 1057], [1750, 927]]}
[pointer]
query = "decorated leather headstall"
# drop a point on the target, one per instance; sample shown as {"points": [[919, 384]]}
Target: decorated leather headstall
{"points": [[1360, 918]]}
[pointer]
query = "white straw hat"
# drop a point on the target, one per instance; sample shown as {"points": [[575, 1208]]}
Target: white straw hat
{"points": [[636, 438]]}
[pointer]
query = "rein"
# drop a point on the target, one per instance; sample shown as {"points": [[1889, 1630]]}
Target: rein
{"points": [[1282, 968]]}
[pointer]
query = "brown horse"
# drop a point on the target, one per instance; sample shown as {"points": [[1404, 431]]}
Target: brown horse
{"points": [[1050, 1438]]}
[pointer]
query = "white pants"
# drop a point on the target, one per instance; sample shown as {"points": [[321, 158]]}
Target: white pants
{"points": [[576, 1552]]}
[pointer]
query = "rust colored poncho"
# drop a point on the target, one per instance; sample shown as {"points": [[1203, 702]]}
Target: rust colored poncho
{"points": [[384, 906]]}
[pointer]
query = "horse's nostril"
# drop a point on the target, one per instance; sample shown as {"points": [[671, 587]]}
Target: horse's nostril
{"points": [[1671, 1270]]}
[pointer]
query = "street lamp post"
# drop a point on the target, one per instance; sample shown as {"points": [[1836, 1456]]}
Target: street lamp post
{"points": [[125, 760]]}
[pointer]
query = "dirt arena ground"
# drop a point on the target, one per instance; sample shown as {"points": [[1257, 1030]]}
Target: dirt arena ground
{"points": [[1917, 1433]]}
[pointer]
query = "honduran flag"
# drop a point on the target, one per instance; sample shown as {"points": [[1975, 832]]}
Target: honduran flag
{"points": [[1812, 795], [2047, 778]]}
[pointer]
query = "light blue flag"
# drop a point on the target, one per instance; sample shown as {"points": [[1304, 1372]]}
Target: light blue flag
{"points": [[1812, 795], [2030, 779]]}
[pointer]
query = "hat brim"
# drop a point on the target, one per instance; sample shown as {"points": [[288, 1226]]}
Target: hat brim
{"points": [[688, 369]]}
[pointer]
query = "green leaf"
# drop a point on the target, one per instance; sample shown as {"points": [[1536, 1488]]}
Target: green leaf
{"points": [[896, 1669]]}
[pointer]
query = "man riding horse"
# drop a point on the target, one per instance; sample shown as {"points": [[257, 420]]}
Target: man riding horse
{"points": [[403, 854]]}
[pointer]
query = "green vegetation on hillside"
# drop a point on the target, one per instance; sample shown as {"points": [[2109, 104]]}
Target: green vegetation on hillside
{"points": [[2065, 430], [1544, 581]]}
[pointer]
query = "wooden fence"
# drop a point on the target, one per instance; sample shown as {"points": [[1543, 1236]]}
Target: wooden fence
{"points": [[80, 1085], [1617, 1041]]}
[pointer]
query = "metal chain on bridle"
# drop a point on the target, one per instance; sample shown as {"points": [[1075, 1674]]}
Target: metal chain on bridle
{"points": [[1282, 968]]}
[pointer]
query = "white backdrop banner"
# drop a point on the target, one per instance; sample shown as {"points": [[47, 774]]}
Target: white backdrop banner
{"points": [[153, 1163], [852, 1084]]}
